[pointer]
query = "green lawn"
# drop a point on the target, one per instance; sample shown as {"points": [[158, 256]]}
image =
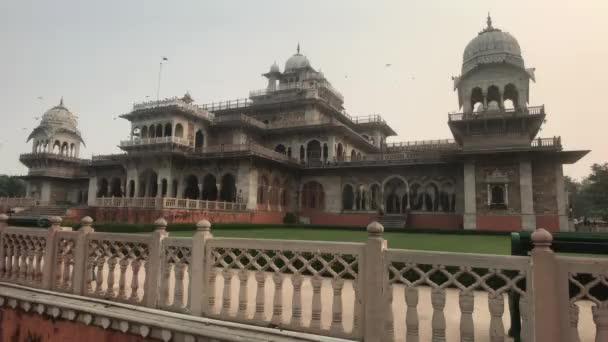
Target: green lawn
{"points": [[487, 244]]}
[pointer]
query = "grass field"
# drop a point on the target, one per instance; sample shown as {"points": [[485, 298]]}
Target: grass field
{"points": [[486, 244]]}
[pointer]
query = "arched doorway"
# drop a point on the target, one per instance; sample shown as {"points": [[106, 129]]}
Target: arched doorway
{"points": [[431, 197], [148, 183], [115, 188], [228, 189], [340, 152], [168, 130], [313, 151], [348, 197], [209, 188], [191, 190], [416, 198], [102, 190], [396, 196], [179, 130], [131, 188], [199, 140], [313, 196], [263, 185]]}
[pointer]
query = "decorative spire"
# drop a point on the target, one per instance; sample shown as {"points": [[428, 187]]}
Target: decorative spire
{"points": [[61, 102], [298, 50], [489, 22]]}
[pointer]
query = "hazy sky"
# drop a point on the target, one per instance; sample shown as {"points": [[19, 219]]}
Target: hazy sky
{"points": [[103, 55]]}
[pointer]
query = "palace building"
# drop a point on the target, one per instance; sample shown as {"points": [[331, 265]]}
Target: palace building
{"points": [[292, 147]]}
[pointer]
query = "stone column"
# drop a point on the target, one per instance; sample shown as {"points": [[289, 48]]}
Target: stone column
{"points": [[528, 219], [92, 191], [169, 187], [159, 188], [562, 210], [200, 190], [470, 205]]}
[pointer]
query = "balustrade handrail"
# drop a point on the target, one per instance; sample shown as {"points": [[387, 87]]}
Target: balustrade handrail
{"points": [[174, 101], [157, 140], [167, 203], [158, 271], [490, 113]]}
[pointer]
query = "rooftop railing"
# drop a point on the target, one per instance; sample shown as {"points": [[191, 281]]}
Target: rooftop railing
{"points": [[224, 105], [155, 141], [297, 86], [363, 119], [547, 143], [439, 144], [498, 113], [411, 157], [174, 102], [167, 203], [239, 118], [363, 291], [57, 156]]}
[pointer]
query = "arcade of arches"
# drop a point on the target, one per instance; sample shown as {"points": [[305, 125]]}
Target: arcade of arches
{"points": [[399, 196]]}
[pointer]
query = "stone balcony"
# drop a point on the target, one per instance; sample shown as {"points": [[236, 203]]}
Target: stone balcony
{"points": [[498, 114], [125, 144]]}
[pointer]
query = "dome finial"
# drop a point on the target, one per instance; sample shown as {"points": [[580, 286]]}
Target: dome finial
{"points": [[61, 101], [489, 22], [298, 49]]}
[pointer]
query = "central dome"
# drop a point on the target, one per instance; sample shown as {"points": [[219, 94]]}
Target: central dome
{"points": [[297, 61], [59, 116], [492, 46]]}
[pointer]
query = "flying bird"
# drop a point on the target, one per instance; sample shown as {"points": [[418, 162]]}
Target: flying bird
{"points": [[387, 65], [40, 97]]}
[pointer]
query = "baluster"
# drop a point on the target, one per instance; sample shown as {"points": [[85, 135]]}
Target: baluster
{"points": [[573, 314], [260, 278], [111, 292], [211, 291], [178, 300], [30, 265], [600, 318], [411, 314], [135, 267], [164, 295], [67, 275], [524, 311], [438, 320], [15, 268], [277, 310], [336, 317], [466, 301], [8, 268], [122, 292], [497, 308], [2, 259], [99, 277], [89, 275], [23, 263], [296, 301], [38, 267], [59, 269], [389, 324], [315, 322], [243, 278], [226, 295]]}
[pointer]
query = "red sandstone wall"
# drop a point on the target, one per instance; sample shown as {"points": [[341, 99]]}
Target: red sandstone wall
{"points": [[549, 222], [499, 222], [435, 221], [19, 326]]}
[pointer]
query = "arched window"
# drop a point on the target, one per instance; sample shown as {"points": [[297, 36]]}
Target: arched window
{"points": [[313, 196], [168, 129], [447, 197], [64, 149], [179, 130], [163, 187], [102, 190], [493, 98], [431, 197], [353, 155], [289, 152], [159, 130], [152, 131], [340, 152], [313, 151], [301, 153], [325, 152], [191, 190], [477, 100], [209, 188], [228, 189], [511, 96], [416, 198], [359, 156], [348, 197], [144, 132], [280, 148], [498, 196], [72, 150], [199, 139], [263, 185], [174, 188], [148, 183], [361, 197], [115, 189]]}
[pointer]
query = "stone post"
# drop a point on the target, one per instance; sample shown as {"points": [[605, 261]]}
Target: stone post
{"points": [[152, 285], [546, 308], [49, 252], [198, 288], [374, 279], [80, 257]]}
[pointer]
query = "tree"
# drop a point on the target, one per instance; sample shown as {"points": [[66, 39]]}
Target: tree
{"points": [[590, 196], [11, 186]]}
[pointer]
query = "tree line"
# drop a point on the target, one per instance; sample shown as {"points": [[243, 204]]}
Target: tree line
{"points": [[589, 197]]}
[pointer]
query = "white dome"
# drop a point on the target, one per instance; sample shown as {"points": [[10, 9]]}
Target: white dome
{"points": [[274, 67], [59, 116], [297, 61], [491, 46]]}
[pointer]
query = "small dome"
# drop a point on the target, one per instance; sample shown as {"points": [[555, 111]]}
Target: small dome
{"points": [[297, 61], [59, 116], [274, 67], [492, 46]]}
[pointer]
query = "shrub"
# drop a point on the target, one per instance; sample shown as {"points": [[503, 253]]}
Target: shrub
{"points": [[290, 218]]}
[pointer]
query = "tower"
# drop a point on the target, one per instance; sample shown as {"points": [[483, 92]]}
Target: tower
{"points": [[493, 92]]}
